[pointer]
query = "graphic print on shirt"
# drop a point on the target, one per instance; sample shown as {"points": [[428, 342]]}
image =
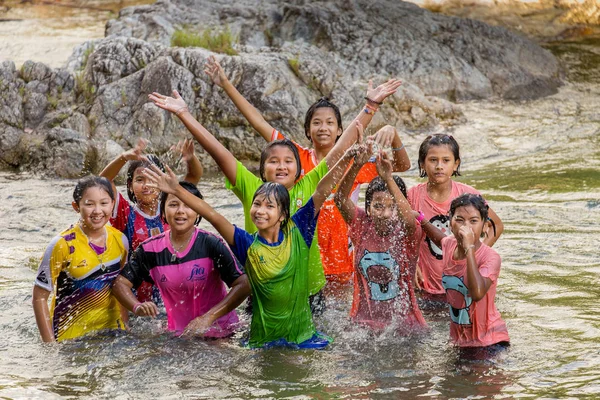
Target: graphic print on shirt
{"points": [[459, 300], [381, 272], [442, 223]]}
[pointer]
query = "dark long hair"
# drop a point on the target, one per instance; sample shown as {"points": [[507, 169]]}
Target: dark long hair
{"points": [[323, 102], [190, 187], [278, 192], [379, 185], [133, 165], [438, 140], [267, 151], [475, 200], [90, 182]]}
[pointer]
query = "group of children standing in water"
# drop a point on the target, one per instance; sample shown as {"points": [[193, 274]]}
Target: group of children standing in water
{"points": [[303, 230]]}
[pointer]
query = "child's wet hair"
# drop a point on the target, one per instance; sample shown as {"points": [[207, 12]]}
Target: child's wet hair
{"points": [[321, 103], [190, 187], [90, 182], [275, 190], [475, 200], [267, 150], [379, 185], [438, 139], [133, 165]]}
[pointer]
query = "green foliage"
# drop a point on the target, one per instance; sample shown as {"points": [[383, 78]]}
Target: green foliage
{"points": [[52, 101], [86, 56], [84, 88], [58, 120], [294, 64], [218, 42]]}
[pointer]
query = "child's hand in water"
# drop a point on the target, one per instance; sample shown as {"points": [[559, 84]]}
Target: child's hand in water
{"points": [[198, 326], [174, 104], [384, 165], [146, 309], [137, 152], [381, 92], [214, 70], [466, 237], [164, 181]]}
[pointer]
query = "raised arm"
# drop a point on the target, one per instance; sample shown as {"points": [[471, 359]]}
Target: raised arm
{"points": [[167, 182], [384, 169], [350, 136], [477, 284], [342, 196], [214, 70], [225, 160], [432, 232], [194, 167], [389, 136], [113, 168]]}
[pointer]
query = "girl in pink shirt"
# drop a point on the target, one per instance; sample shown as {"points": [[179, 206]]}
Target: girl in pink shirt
{"points": [[470, 275], [439, 161]]}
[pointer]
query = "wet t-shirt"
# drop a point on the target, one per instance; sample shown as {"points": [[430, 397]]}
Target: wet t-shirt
{"points": [[383, 276], [192, 282], [473, 323]]}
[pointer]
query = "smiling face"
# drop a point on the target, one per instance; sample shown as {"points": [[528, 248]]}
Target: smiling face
{"points": [[440, 164], [467, 216], [265, 212], [143, 193], [95, 209], [324, 128], [179, 216], [383, 211], [281, 166]]}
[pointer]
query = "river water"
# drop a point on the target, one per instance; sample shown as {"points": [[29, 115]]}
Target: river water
{"points": [[538, 164]]}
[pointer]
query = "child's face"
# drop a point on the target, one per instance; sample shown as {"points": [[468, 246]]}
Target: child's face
{"points": [[440, 164], [324, 128], [143, 193], [95, 208], [265, 212], [468, 216], [179, 216], [280, 166], [383, 210]]}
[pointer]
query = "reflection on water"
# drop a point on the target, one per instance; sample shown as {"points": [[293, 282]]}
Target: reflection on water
{"points": [[538, 164]]}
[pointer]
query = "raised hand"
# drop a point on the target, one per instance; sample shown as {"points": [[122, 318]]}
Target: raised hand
{"points": [[381, 92], [173, 104], [384, 165], [466, 237], [164, 181], [185, 148], [136, 153], [384, 137], [214, 70], [363, 154], [146, 309]]}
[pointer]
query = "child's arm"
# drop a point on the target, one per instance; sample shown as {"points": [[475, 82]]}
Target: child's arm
{"points": [[42, 314], [342, 196], [389, 136], [194, 167], [433, 233], [477, 284], [217, 75], [240, 289], [492, 235], [225, 160], [351, 135], [384, 169], [121, 289], [167, 182], [111, 171]]}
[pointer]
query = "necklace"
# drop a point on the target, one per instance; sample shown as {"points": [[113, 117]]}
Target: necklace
{"points": [[94, 247], [178, 249]]}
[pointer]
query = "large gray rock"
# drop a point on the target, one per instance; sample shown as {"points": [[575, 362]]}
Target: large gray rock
{"points": [[74, 120]]}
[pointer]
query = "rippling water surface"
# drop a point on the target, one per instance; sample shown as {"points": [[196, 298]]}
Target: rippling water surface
{"points": [[537, 163]]}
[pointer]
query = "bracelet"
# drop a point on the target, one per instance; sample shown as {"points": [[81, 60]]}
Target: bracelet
{"points": [[136, 307], [420, 217], [370, 107], [181, 110], [398, 148], [372, 101], [470, 247], [369, 111]]}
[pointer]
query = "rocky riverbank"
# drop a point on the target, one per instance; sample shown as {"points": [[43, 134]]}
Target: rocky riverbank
{"points": [[70, 121]]}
